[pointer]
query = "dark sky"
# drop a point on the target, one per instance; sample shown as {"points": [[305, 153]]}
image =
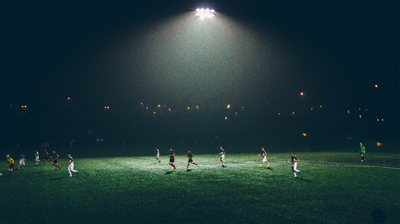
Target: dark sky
{"points": [[158, 52]]}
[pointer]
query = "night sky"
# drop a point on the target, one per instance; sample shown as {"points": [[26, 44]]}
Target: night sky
{"points": [[251, 53]]}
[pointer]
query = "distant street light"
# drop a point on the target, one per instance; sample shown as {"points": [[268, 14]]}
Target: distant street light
{"points": [[376, 86], [301, 93], [202, 13], [228, 106]]}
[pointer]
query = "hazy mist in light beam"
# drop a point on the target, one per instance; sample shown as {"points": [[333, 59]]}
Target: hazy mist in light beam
{"points": [[187, 59]]}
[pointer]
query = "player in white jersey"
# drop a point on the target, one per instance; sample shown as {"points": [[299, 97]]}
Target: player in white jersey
{"points": [[71, 165], [22, 161], [158, 155], [222, 154], [36, 154], [294, 164], [264, 157]]}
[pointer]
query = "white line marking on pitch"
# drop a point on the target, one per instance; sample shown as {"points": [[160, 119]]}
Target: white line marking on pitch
{"points": [[354, 166]]}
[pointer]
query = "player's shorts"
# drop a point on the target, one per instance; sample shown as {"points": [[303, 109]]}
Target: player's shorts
{"points": [[21, 162], [222, 157], [11, 166], [265, 160], [55, 161], [190, 161], [294, 167], [171, 160]]}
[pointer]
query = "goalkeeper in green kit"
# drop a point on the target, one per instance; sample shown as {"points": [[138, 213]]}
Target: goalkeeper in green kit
{"points": [[362, 151]]}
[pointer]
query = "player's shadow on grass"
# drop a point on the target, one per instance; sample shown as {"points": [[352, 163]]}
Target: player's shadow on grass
{"points": [[188, 170], [169, 172], [299, 178], [40, 172], [59, 178]]}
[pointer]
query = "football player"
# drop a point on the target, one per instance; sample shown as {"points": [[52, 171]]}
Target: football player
{"points": [[172, 158], [46, 157], [10, 164], [71, 165], [362, 151], [36, 154], [22, 161], [222, 154], [55, 160], [158, 155], [264, 157], [294, 164], [190, 155]]}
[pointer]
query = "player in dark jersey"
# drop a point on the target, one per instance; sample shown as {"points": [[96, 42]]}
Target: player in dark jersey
{"points": [[10, 163], [362, 151], [190, 155], [22, 161], [294, 164], [222, 154], [46, 157], [55, 160], [172, 158]]}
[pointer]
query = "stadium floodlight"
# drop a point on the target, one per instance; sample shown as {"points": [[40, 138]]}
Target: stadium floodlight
{"points": [[203, 13]]}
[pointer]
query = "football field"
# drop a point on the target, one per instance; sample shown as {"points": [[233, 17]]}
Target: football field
{"points": [[333, 187]]}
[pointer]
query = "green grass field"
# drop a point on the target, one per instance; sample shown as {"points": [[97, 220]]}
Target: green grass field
{"points": [[333, 187]]}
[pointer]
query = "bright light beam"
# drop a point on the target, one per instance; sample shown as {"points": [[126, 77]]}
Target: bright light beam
{"points": [[203, 13]]}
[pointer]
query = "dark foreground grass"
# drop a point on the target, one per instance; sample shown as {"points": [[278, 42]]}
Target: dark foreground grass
{"points": [[333, 187]]}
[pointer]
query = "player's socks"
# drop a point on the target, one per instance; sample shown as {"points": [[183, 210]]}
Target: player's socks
{"points": [[174, 167], [195, 164], [187, 166]]}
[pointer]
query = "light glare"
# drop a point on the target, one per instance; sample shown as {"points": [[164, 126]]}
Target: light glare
{"points": [[202, 13]]}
